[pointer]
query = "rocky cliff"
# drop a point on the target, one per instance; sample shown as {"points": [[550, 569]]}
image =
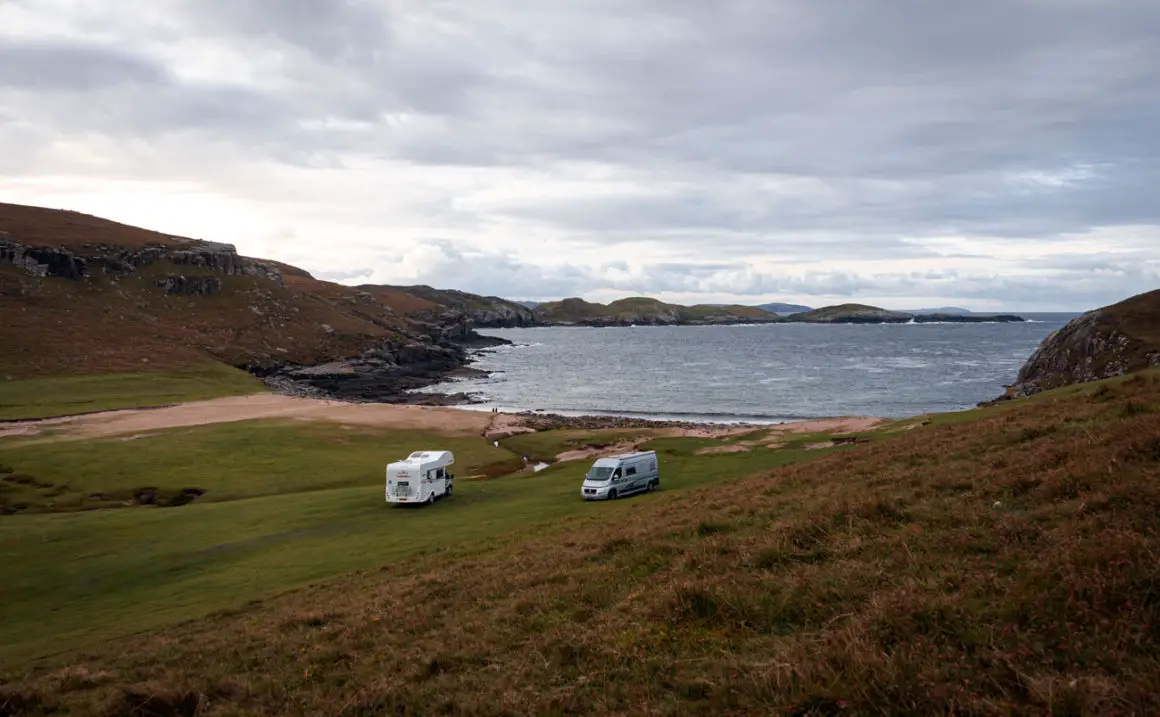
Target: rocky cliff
{"points": [[1107, 342]]}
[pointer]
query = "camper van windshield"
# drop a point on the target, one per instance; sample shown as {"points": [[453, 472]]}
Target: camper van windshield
{"points": [[599, 473]]}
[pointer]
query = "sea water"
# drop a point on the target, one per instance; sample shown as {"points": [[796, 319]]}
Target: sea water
{"points": [[762, 373]]}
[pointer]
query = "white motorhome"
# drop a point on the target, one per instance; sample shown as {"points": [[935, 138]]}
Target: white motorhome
{"points": [[616, 476], [421, 477]]}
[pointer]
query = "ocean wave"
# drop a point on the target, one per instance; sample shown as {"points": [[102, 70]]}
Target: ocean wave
{"points": [[690, 416]]}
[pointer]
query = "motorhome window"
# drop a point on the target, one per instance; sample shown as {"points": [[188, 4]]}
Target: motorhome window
{"points": [[631, 471], [439, 473], [599, 473]]}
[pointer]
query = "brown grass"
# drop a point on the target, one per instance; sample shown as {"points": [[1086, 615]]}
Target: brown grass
{"points": [[1008, 565], [105, 323], [39, 226]]}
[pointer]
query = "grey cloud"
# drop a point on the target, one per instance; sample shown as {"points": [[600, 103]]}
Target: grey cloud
{"points": [[1088, 284], [48, 66], [787, 130], [344, 276]]}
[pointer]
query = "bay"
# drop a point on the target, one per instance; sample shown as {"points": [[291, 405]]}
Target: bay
{"points": [[761, 374]]}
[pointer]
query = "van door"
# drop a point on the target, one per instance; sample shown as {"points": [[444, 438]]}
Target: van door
{"points": [[632, 477]]}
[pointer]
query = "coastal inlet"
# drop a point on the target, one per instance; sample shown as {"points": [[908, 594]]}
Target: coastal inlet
{"points": [[765, 373]]}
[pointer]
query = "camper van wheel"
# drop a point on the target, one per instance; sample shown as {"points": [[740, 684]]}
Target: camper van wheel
{"points": [[652, 485], [612, 494]]}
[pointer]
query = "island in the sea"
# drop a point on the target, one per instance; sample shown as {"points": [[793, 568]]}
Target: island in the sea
{"points": [[643, 311]]}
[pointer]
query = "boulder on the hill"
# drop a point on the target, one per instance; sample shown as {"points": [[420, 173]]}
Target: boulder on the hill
{"points": [[191, 285]]}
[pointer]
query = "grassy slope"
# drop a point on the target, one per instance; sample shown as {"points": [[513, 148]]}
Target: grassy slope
{"points": [[43, 397], [288, 502], [1004, 562], [107, 323]]}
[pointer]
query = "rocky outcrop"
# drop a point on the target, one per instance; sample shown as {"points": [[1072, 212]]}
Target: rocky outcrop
{"points": [[216, 257], [1101, 344], [387, 373], [967, 319], [191, 285], [41, 262], [117, 260], [477, 311]]}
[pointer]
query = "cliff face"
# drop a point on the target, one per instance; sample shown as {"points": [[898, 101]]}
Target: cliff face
{"points": [[1107, 342]]}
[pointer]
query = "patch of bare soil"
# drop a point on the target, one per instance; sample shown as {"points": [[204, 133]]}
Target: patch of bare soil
{"points": [[598, 451], [731, 448], [848, 424], [505, 425]]}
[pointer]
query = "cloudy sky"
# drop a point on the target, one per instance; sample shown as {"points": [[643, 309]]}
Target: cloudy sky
{"points": [[997, 154]]}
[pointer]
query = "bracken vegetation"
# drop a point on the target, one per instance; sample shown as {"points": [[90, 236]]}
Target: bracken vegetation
{"points": [[1008, 564]]}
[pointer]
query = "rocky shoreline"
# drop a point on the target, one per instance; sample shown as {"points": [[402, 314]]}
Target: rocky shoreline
{"points": [[385, 375]]}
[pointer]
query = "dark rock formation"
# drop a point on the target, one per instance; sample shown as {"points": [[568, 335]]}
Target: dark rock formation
{"points": [[478, 311], [967, 319], [387, 373], [219, 258], [1107, 342], [191, 285], [42, 261]]}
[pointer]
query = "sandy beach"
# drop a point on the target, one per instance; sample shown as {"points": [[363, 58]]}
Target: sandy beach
{"points": [[450, 421]]}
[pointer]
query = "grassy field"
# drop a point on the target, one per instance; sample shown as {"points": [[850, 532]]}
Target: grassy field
{"points": [[69, 395], [286, 502], [999, 561], [227, 461]]}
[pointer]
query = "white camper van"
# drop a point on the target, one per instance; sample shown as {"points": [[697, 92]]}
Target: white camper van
{"points": [[420, 478], [616, 476]]}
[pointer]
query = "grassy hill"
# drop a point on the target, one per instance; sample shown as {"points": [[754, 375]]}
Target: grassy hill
{"points": [[850, 313], [84, 296], [645, 311], [997, 561]]}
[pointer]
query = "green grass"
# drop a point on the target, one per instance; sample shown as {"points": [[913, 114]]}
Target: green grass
{"points": [[228, 461], [287, 503], [70, 395], [1001, 563]]}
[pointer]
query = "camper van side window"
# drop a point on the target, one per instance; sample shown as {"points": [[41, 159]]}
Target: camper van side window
{"points": [[631, 471]]}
